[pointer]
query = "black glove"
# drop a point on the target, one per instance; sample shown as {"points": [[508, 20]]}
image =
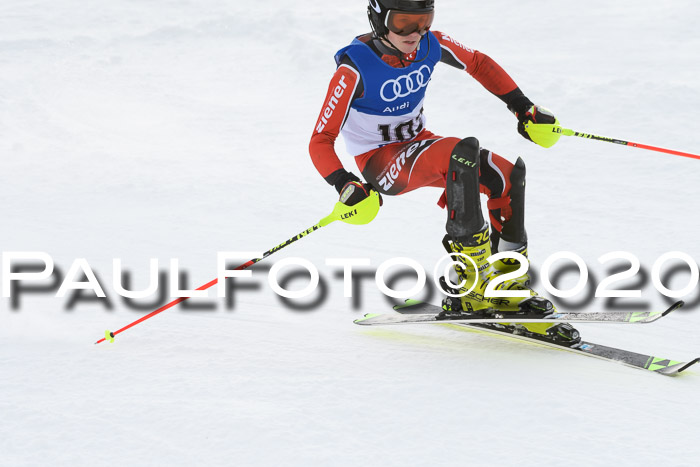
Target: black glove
{"points": [[340, 178], [353, 192], [349, 187], [535, 114]]}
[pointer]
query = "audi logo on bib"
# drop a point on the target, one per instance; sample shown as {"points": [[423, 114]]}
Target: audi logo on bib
{"points": [[405, 85]]}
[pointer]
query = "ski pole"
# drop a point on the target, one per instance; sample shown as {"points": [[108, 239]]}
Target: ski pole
{"points": [[568, 132], [547, 135], [362, 213]]}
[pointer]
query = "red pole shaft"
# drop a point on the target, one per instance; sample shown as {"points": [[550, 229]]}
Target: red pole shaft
{"points": [[215, 281], [569, 132], [667, 151], [171, 304]]}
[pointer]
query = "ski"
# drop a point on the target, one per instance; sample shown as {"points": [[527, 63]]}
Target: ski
{"points": [[427, 313], [652, 363], [664, 366]]}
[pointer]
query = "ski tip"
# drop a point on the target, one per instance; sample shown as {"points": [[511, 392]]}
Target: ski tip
{"points": [[677, 367], [408, 303], [365, 318], [673, 307], [688, 365]]}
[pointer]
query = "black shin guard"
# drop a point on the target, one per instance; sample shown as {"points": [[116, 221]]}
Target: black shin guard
{"points": [[514, 229], [464, 216]]}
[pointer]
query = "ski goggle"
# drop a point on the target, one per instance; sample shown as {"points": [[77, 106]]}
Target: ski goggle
{"points": [[404, 23]]}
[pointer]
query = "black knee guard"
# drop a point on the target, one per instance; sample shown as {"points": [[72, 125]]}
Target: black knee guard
{"points": [[464, 217], [513, 230]]}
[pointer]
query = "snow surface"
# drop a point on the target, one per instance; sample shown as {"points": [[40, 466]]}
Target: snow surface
{"points": [[176, 129]]}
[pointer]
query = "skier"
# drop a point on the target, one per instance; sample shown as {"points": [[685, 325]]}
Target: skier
{"points": [[375, 98]]}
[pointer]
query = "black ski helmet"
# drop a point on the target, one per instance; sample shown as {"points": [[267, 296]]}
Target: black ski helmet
{"points": [[378, 9]]}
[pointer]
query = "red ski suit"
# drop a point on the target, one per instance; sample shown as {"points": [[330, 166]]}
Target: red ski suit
{"points": [[430, 153]]}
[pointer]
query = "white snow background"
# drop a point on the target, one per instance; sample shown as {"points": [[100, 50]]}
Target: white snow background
{"points": [[176, 129]]}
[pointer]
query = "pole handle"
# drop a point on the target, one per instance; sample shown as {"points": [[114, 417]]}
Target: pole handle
{"points": [[361, 213]]}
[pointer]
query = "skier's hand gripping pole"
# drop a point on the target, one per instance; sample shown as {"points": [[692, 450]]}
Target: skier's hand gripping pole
{"points": [[361, 213], [547, 135]]}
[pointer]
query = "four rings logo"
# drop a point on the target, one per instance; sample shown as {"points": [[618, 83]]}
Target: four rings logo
{"points": [[407, 84]]}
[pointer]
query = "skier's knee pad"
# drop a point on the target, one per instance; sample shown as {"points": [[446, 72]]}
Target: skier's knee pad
{"points": [[464, 217], [466, 152]]}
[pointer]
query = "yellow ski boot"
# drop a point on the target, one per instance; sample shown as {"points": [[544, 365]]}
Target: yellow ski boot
{"points": [[468, 238], [474, 278]]}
